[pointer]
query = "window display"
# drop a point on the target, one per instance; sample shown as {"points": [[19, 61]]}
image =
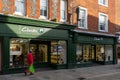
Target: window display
{"points": [[108, 53], [92, 52], [100, 55], [79, 55], [83, 53], [43, 55], [18, 52], [58, 52]]}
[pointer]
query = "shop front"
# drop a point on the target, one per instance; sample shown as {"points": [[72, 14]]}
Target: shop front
{"points": [[49, 42], [92, 48]]}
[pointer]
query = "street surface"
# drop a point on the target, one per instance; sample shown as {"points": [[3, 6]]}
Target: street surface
{"points": [[101, 72]]}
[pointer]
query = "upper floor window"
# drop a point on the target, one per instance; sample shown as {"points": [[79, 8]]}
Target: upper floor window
{"points": [[43, 9], [82, 18], [103, 22], [103, 2], [20, 7], [63, 10]]}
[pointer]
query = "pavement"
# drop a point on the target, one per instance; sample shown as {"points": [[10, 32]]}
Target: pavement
{"points": [[101, 72]]}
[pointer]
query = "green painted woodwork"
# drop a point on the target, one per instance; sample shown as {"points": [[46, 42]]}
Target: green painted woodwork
{"points": [[30, 28], [71, 56], [114, 54], [34, 22], [93, 39], [87, 64], [6, 53], [31, 31]]}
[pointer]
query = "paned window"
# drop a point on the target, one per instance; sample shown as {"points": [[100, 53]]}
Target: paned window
{"points": [[82, 18], [63, 10], [103, 22], [103, 2], [20, 7], [43, 9]]}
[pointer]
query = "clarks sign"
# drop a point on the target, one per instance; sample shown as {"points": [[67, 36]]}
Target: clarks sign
{"points": [[26, 29], [33, 30]]}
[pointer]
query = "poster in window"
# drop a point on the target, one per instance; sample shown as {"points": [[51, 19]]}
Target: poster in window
{"points": [[15, 49]]}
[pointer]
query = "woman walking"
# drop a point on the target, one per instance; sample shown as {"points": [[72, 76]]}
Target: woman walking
{"points": [[30, 59]]}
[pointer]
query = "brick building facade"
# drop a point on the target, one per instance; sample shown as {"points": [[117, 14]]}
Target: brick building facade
{"points": [[60, 33], [117, 19]]}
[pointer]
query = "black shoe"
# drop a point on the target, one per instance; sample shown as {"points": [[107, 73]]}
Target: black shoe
{"points": [[25, 73]]}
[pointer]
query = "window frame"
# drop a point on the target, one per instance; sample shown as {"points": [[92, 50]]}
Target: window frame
{"points": [[63, 20], [106, 3], [20, 12], [106, 22], [42, 16], [86, 20]]}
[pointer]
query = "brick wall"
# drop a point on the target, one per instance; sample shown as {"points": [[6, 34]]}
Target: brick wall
{"points": [[117, 15], [93, 8], [30, 12]]}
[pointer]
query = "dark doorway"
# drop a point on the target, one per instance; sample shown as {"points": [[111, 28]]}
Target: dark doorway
{"points": [[41, 52]]}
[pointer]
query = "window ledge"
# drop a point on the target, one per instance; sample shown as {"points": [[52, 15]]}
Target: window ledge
{"points": [[103, 31], [82, 27], [43, 17], [18, 13]]}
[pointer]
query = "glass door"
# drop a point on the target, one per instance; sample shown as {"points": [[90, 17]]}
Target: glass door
{"points": [[43, 53], [40, 52]]}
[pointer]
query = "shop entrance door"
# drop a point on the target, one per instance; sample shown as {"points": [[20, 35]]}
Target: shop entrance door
{"points": [[41, 52], [97, 54]]}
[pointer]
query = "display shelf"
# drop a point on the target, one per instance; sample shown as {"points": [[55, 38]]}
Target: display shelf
{"points": [[56, 58]]}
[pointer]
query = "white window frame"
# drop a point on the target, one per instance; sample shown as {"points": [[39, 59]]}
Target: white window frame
{"points": [[65, 11], [19, 6], [86, 23], [106, 22], [42, 16], [103, 4]]}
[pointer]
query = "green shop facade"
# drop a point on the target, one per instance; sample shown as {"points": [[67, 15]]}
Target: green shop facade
{"points": [[94, 48], [53, 45]]}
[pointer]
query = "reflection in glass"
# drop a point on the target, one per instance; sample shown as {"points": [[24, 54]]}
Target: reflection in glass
{"points": [[18, 52], [100, 55], [108, 52], [83, 53], [58, 52]]}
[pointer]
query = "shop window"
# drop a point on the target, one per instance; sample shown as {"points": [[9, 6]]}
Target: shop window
{"points": [[100, 54], [83, 53], [18, 52], [108, 53], [58, 52], [40, 52]]}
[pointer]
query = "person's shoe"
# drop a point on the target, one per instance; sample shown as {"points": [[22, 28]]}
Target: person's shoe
{"points": [[31, 73], [25, 73]]}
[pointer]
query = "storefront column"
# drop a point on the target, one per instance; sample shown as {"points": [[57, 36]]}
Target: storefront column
{"points": [[5, 54], [114, 51], [71, 54]]}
